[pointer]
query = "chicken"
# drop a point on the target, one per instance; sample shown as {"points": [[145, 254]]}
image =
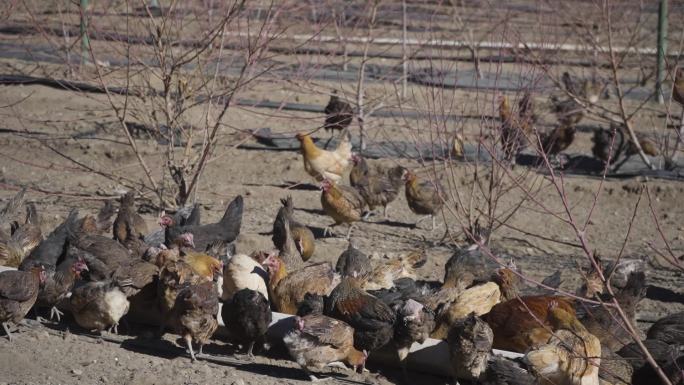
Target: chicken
{"points": [[18, 293], [515, 128], [205, 265], [247, 317], [341, 203], [243, 272], [602, 148], [668, 357], [97, 306], [129, 225], [606, 324], [503, 371], [287, 289], [377, 189], [353, 263], [571, 356], [372, 320], [58, 285], [139, 273], [558, 140], [648, 146], [185, 216], [457, 147], [678, 86], [104, 217], [614, 370], [173, 277], [194, 314], [322, 164], [479, 299], [385, 273], [317, 341], [49, 251], [338, 115], [102, 255], [16, 246], [302, 236], [424, 197], [208, 236], [414, 324], [28, 234], [568, 111], [669, 329], [517, 323], [470, 344]]}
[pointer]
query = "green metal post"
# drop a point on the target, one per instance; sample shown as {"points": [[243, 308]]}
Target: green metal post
{"points": [[662, 49], [85, 41]]}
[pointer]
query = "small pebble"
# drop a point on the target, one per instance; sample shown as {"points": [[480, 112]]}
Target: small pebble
{"points": [[77, 372]]}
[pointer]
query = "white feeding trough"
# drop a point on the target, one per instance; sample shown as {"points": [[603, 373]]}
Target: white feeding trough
{"points": [[431, 357]]}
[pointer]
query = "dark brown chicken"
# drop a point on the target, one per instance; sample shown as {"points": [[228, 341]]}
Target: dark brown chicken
{"points": [[379, 188], [605, 148], [424, 197], [129, 225], [341, 203], [558, 140], [247, 317], [26, 236], [49, 251], [518, 323], [194, 314], [173, 276], [338, 115], [18, 293], [668, 357], [58, 285], [669, 329], [372, 320], [317, 341], [414, 323], [606, 324], [102, 255], [140, 274], [302, 236], [353, 263], [207, 236]]}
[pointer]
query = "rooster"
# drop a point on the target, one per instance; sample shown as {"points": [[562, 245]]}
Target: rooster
{"points": [[322, 164]]}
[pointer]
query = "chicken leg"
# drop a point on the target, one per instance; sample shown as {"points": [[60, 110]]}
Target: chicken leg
{"points": [[188, 340], [56, 313], [9, 335], [250, 354]]}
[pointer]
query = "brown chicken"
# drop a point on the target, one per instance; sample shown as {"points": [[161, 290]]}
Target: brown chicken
{"points": [[97, 306], [317, 341], [424, 197], [102, 255], [58, 285], [338, 115], [605, 148], [341, 203], [478, 299], [23, 239], [287, 289], [140, 274], [571, 356], [377, 188], [353, 263], [302, 236], [678, 87], [194, 314], [247, 317], [386, 272], [470, 344], [18, 293], [322, 164], [518, 323], [173, 277], [372, 320], [515, 129], [129, 225], [668, 357], [558, 140], [669, 329]]}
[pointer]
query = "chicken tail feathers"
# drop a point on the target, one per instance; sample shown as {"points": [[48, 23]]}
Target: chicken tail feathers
{"points": [[232, 219]]}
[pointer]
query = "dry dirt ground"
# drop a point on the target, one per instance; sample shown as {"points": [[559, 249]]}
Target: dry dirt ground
{"points": [[38, 134]]}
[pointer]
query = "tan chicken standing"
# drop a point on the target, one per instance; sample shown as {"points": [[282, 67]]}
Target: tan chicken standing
{"points": [[341, 203], [424, 197], [322, 164]]}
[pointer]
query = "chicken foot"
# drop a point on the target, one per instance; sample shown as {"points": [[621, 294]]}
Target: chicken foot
{"points": [[188, 340], [312, 378], [6, 329], [426, 217], [56, 313], [250, 354]]}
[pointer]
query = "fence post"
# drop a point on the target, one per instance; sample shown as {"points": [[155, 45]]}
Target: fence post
{"points": [[662, 49], [85, 41]]}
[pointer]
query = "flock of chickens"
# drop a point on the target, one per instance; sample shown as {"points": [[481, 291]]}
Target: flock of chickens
{"points": [[101, 270]]}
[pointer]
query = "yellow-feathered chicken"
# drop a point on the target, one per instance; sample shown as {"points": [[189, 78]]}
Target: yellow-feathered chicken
{"points": [[478, 299], [322, 164]]}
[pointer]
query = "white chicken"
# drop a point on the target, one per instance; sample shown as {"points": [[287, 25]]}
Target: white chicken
{"points": [[243, 272]]}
